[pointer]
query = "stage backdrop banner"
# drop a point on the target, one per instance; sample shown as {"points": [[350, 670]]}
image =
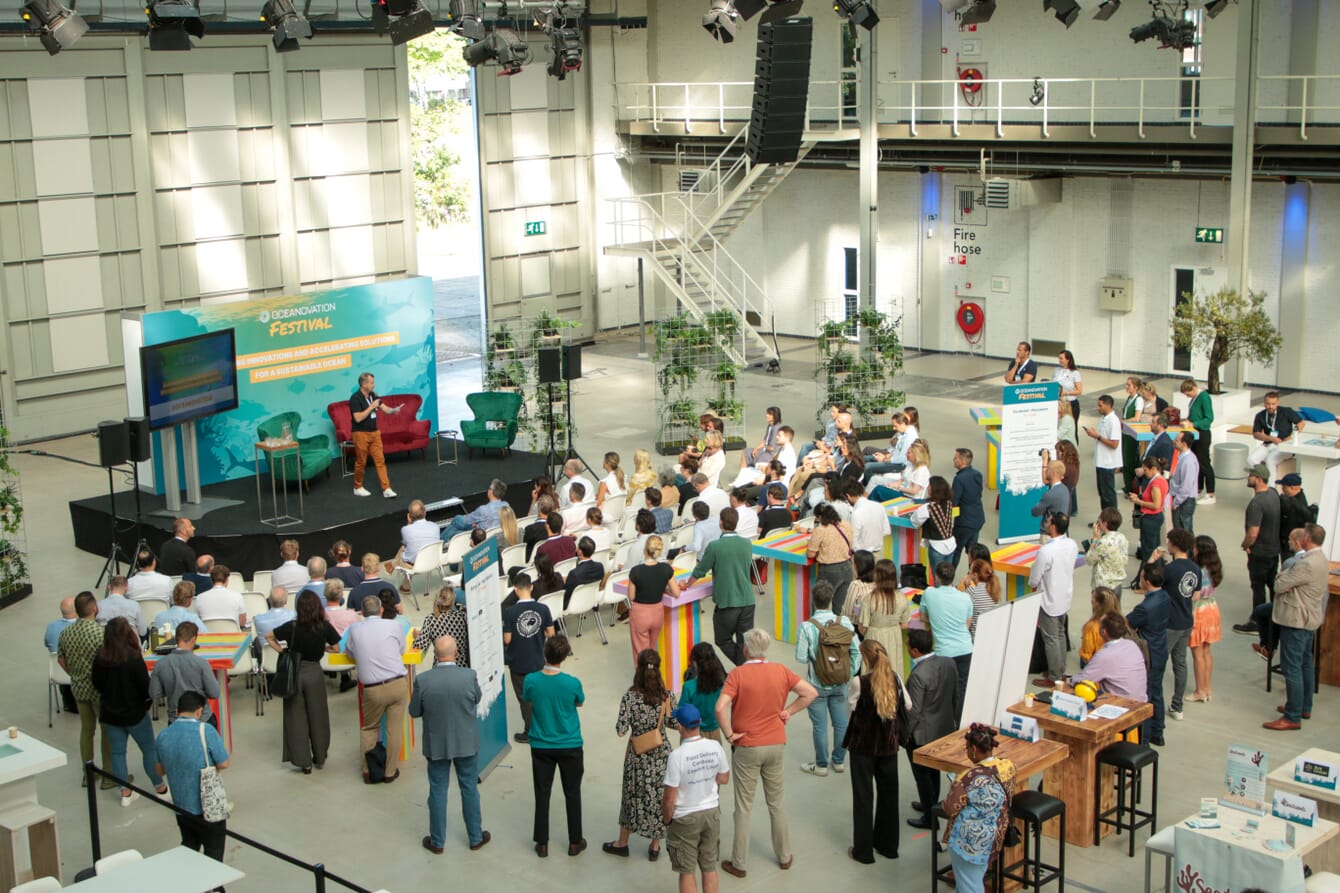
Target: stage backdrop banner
{"points": [[1028, 426], [483, 598], [299, 353]]}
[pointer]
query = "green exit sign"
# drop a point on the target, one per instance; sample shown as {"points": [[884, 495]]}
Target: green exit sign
{"points": [[1213, 234], [536, 228]]}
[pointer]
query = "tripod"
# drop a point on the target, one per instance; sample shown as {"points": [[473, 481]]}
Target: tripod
{"points": [[115, 554]]}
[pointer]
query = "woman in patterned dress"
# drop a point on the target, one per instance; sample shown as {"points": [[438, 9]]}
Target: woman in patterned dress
{"points": [[448, 619], [645, 707], [978, 807]]}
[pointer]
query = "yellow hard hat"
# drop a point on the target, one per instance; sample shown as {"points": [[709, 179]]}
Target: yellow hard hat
{"points": [[1086, 690]]}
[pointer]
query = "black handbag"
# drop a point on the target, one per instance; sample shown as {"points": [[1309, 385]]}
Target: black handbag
{"points": [[913, 576], [902, 717], [285, 681]]}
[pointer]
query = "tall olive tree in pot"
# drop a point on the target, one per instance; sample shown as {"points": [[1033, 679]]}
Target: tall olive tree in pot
{"points": [[1225, 325]]}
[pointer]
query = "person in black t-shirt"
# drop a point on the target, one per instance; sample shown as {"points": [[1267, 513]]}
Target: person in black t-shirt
{"points": [[363, 408], [526, 624], [1181, 580], [776, 516], [1271, 429]]}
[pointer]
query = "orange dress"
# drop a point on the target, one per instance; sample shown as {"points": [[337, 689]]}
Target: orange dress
{"points": [[1206, 629]]}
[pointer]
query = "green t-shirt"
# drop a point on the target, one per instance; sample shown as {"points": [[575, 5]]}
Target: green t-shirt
{"points": [[728, 560], [554, 724], [706, 704]]}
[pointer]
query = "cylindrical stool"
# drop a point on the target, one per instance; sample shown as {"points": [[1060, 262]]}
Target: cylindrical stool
{"points": [[1229, 460], [1034, 808], [1129, 761]]}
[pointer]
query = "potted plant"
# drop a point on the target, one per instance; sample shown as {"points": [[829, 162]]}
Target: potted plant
{"points": [[501, 341], [727, 407], [724, 324], [724, 373], [545, 330], [1225, 325], [14, 583], [682, 412], [840, 365], [832, 336]]}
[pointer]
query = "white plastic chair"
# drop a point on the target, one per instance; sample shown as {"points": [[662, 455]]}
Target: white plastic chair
{"points": [[56, 677], [586, 599], [602, 536], [614, 507], [565, 567], [684, 561], [427, 562], [513, 556], [554, 602], [1319, 882], [456, 549], [151, 608], [257, 604], [523, 523], [236, 583], [680, 538], [627, 529], [221, 625], [491, 532], [269, 663], [609, 597], [261, 582], [116, 860], [40, 885], [1160, 844]]}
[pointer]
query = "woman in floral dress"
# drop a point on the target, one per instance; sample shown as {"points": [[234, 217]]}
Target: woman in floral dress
{"points": [[646, 707]]}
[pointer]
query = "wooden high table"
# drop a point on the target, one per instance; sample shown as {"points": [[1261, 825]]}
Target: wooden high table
{"points": [[1072, 779], [947, 754], [1328, 802], [1328, 657]]}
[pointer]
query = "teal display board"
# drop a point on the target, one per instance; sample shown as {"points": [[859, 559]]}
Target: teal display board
{"points": [[300, 353], [1028, 426], [483, 595]]}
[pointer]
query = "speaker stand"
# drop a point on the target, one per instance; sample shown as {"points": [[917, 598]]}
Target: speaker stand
{"points": [[115, 554]]}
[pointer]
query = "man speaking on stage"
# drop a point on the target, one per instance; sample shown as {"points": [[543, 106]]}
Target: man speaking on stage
{"points": [[364, 406]]}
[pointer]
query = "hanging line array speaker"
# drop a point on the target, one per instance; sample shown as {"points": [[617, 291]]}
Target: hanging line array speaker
{"points": [[781, 91]]}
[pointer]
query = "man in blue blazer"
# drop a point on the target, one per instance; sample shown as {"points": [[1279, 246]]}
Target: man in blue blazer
{"points": [[445, 698]]}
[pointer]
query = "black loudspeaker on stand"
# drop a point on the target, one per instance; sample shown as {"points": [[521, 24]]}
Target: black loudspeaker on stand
{"points": [[126, 441], [781, 91], [557, 365]]}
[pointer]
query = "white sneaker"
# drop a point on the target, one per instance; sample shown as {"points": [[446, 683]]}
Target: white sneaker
{"points": [[1208, 499], [814, 769], [361, 491], [389, 493], [1175, 714], [127, 799], [839, 768]]}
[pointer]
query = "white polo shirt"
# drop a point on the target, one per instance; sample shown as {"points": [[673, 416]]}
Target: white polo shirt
{"points": [[1109, 428]]}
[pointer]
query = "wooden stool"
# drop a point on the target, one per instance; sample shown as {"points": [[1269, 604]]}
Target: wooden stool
{"points": [[1129, 761], [1035, 808], [38, 824]]}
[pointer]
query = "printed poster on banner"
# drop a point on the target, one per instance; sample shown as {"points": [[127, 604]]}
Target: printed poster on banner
{"points": [[483, 598], [1245, 779], [1028, 427]]}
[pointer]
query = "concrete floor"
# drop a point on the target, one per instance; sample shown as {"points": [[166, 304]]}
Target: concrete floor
{"points": [[371, 835]]}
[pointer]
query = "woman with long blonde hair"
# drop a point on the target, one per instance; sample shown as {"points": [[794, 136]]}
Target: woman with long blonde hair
{"points": [[612, 484], [507, 521], [914, 480], [643, 476], [872, 750]]}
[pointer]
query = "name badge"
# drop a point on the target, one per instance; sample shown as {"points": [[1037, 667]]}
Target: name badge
{"points": [[1294, 808], [1317, 773], [1024, 728], [1070, 706]]}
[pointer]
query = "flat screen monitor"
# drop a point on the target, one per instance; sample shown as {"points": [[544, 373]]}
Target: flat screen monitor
{"points": [[189, 379]]}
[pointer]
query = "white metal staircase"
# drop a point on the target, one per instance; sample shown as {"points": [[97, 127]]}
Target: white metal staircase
{"points": [[683, 234]]}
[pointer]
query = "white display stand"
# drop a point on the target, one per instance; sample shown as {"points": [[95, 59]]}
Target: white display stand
{"points": [[28, 840], [1328, 511], [1001, 651]]}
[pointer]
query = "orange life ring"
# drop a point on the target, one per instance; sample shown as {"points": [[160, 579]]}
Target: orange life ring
{"points": [[971, 318], [970, 80]]}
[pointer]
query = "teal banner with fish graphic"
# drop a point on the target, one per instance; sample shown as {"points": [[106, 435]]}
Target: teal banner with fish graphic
{"points": [[302, 352]]}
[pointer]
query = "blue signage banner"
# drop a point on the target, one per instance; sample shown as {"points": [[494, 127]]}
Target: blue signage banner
{"points": [[1028, 427], [483, 595]]}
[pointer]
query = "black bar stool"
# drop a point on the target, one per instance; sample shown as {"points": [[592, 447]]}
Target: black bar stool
{"points": [[939, 875], [1034, 808], [1130, 761]]}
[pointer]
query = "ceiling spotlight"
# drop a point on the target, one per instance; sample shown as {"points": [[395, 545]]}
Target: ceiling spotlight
{"points": [[980, 12], [58, 26], [722, 20], [564, 38], [858, 12], [503, 46], [172, 24], [1106, 9], [1066, 10], [1214, 7], [1171, 34], [404, 20], [286, 24], [1039, 93], [466, 17]]}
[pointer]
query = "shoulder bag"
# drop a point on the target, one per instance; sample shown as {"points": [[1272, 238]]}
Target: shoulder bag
{"points": [[902, 716], [285, 682], [651, 739], [213, 798]]}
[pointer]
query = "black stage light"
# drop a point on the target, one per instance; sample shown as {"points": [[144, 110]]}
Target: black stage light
{"points": [[404, 20], [979, 13], [172, 24], [1066, 10], [1106, 9], [286, 24], [57, 26], [1171, 34], [749, 8], [1214, 7], [503, 46], [722, 20], [565, 39], [858, 12], [467, 19]]}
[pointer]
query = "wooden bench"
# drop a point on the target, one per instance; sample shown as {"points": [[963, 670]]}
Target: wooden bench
{"points": [[37, 824]]}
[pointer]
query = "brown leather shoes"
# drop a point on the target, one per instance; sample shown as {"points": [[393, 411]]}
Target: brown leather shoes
{"points": [[730, 868], [435, 850], [485, 838], [1281, 725], [575, 849], [542, 850]]}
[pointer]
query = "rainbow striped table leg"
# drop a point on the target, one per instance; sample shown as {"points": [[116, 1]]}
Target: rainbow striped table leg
{"points": [[904, 546], [681, 630], [790, 583], [992, 458], [1016, 586]]}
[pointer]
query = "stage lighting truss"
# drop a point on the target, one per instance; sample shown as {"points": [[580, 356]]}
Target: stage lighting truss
{"points": [[1169, 26], [1066, 11], [502, 45], [57, 26], [979, 13], [404, 20], [286, 24], [722, 20], [467, 19], [565, 39], [859, 12], [172, 24]]}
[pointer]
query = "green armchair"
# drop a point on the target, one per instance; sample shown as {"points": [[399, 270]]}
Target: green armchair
{"points": [[314, 451], [495, 423]]}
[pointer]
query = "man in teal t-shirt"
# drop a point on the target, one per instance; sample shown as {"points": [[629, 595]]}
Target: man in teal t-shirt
{"points": [[728, 560], [555, 742], [947, 611]]}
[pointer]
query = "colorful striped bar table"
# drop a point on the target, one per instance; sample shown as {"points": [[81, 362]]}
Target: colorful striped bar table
{"points": [[790, 575], [1016, 562], [904, 546], [411, 658], [222, 651], [682, 629], [988, 417]]}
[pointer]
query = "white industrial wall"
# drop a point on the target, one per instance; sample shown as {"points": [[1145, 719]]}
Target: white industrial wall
{"points": [[138, 181]]}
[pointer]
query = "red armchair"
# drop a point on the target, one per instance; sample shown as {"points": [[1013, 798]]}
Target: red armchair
{"points": [[402, 432]]}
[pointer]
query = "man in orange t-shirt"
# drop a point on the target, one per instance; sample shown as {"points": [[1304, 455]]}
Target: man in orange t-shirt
{"points": [[752, 713]]}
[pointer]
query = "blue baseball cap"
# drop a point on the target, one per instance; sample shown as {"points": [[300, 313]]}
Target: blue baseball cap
{"points": [[1290, 480], [688, 716]]}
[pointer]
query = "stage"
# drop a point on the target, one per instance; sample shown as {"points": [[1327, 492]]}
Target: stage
{"points": [[236, 538]]}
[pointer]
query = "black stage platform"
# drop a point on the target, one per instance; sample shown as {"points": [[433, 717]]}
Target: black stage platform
{"points": [[235, 537]]}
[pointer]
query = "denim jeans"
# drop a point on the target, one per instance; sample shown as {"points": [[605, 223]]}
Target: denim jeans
{"points": [[1178, 639], [964, 539], [439, 781], [1296, 661], [1158, 663], [459, 524], [1151, 534], [1184, 516], [831, 704], [969, 877], [143, 733]]}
